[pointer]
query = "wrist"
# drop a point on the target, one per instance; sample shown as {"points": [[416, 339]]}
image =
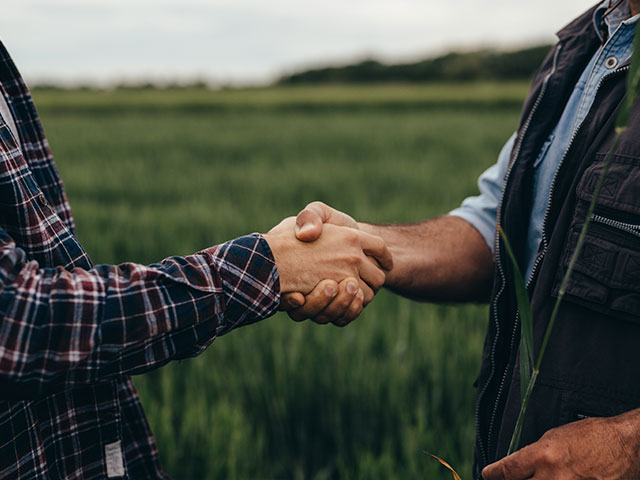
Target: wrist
{"points": [[276, 244], [283, 248], [384, 232]]}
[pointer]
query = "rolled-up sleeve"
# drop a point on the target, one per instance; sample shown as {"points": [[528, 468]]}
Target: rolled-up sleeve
{"points": [[481, 210]]}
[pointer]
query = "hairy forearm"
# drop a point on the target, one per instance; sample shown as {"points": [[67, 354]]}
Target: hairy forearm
{"points": [[443, 259]]}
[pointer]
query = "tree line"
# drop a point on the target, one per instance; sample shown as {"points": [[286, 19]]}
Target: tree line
{"points": [[455, 66]]}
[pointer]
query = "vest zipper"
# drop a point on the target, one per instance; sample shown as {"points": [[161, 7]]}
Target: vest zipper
{"points": [[525, 128], [631, 228], [539, 258], [545, 244]]}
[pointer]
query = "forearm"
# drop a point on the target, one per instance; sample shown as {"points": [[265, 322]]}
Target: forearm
{"points": [[443, 259], [82, 326]]}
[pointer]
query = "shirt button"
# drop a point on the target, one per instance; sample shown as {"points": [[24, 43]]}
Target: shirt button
{"points": [[611, 62], [43, 200]]}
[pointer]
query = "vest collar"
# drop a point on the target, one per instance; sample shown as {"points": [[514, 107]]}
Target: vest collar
{"points": [[583, 25]]}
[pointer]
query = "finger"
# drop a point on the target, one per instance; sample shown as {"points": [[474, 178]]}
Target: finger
{"points": [[309, 221], [370, 273], [518, 466], [347, 290], [352, 312], [368, 294], [316, 301], [375, 247], [290, 301]]}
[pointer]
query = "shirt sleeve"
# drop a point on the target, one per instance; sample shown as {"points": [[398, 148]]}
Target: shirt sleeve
{"points": [[62, 327], [481, 210]]}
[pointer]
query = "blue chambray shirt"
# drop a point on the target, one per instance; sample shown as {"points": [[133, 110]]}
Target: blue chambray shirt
{"points": [[480, 211]]}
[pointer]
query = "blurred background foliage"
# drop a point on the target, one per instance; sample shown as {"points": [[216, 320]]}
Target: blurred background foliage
{"points": [[157, 172]]}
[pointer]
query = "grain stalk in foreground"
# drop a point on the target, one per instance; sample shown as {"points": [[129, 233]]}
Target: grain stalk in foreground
{"points": [[529, 370], [528, 376]]}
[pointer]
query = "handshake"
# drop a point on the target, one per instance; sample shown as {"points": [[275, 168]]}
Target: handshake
{"points": [[329, 269]]}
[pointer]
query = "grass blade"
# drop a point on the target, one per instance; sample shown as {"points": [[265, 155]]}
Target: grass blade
{"points": [[622, 120], [442, 462], [515, 438], [526, 320]]}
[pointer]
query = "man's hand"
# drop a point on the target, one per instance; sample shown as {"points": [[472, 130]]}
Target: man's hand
{"points": [[339, 304], [329, 302], [595, 448], [310, 220], [340, 253]]}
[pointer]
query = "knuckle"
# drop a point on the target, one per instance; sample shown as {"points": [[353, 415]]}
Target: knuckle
{"points": [[316, 204], [351, 237], [549, 434], [354, 259], [548, 456]]}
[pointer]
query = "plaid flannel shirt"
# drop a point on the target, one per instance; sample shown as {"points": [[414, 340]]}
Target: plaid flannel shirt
{"points": [[71, 333]]}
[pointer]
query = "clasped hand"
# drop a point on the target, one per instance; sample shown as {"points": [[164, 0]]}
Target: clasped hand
{"points": [[327, 272]]}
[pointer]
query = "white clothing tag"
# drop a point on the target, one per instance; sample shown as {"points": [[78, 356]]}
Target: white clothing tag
{"points": [[113, 454]]}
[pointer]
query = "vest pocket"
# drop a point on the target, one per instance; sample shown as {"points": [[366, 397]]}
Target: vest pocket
{"points": [[631, 228], [606, 277], [621, 188]]}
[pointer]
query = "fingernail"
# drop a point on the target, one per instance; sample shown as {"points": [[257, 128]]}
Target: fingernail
{"points": [[329, 291], [295, 303], [351, 288], [360, 294], [305, 228]]}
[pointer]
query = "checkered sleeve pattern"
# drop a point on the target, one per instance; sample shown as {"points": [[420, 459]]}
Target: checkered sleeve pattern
{"points": [[72, 333], [61, 327]]}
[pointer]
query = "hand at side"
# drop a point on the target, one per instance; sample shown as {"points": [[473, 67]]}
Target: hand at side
{"points": [[596, 448]]}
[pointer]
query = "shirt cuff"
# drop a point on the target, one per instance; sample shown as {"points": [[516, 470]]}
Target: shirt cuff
{"points": [[488, 231], [250, 280]]}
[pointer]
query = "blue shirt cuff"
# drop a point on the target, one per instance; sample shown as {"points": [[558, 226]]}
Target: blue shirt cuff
{"points": [[486, 229]]}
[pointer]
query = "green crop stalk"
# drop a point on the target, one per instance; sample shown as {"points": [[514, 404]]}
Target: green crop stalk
{"points": [[528, 376], [529, 370]]}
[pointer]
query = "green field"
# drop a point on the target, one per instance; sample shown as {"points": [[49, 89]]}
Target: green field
{"points": [[156, 173]]}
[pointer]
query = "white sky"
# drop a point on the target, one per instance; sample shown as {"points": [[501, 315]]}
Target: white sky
{"points": [[255, 40]]}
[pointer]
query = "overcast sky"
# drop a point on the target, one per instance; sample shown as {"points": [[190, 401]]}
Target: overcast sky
{"points": [[256, 40]]}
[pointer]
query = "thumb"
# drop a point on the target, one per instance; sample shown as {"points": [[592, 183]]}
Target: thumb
{"points": [[519, 465], [309, 221]]}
